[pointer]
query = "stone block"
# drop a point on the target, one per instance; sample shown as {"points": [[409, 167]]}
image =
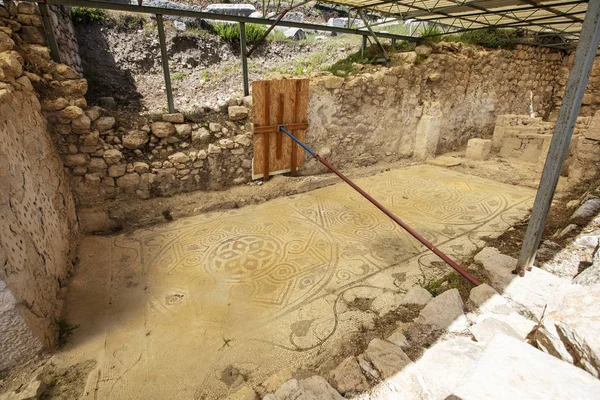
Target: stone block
{"points": [[427, 138], [498, 137], [444, 312], [163, 129], [593, 130], [417, 295], [176, 118], [479, 149], [571, 332], [444, 366], [348, 377], [238, 113], [512, 369], [135, 140]]}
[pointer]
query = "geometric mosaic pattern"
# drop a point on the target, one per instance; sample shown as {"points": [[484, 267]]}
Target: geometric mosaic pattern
{"points": [[271, 278]]}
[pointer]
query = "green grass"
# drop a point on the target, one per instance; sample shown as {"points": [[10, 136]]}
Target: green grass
{"points": [[178, 76], [231, 32], [493, 37], [431, 34], [84, 15]]}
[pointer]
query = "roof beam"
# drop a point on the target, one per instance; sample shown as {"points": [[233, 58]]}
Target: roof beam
{"points": [[220, 17]]}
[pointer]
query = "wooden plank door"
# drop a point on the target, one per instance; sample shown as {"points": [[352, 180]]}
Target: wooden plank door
{"points": [[276, 102]]}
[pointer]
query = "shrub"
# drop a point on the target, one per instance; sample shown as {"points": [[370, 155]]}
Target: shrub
{"points": [[491, 37], [83, 15], [431, 33], [231, 32]]}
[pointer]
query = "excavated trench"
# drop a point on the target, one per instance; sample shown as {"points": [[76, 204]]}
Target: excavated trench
{"points": [[202, 304]]}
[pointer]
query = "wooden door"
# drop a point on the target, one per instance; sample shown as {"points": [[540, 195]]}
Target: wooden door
{"points": [[277, 102]]}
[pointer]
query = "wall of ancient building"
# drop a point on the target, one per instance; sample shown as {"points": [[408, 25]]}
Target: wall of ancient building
{"points": [[38, 224]]}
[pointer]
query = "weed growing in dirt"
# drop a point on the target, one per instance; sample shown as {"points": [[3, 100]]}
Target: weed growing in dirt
{"points": [[231, 32], [84, 15], [492, 37], [455, 281], [167, 214], [65, 330], [431, 34], [129, 21], [178, 76]]}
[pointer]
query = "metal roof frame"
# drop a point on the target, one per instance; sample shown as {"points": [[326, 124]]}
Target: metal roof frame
{"points": [[562, 18]]}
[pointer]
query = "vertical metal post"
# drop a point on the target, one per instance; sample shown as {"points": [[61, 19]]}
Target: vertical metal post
{"points": [[363, 48], [394, 43], [385, 54], [567, 117], [244, 58], [165, 62], [49, 30]]}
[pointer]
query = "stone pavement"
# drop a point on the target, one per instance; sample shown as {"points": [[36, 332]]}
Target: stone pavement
{"points": [[195, 307]]}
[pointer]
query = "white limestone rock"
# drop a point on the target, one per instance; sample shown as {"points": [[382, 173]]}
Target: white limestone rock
{"points": [[444, 366], [571, 332], [512, 369], [444, 312], [528, 295], [417, 295], [586, 211], [489, 328]]}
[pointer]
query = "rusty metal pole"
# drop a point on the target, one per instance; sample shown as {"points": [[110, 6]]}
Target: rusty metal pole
{"points": [[387, 212]]}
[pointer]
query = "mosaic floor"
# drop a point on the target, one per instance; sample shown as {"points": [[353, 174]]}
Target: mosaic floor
{"points": [[171, 310]]}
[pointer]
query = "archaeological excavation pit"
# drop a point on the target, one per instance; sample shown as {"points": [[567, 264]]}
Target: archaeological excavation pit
{"points": [[195, 206]]}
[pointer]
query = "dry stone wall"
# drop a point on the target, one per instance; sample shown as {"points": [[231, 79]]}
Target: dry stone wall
{"points": [[591, 98], [25, 18], [38, 225], [427, 103]]}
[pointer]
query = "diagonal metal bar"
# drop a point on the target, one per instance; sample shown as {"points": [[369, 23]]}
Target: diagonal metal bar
{"points": [[165, 62], [49, 31], [385, 54], [387, 212], [277, 21]]}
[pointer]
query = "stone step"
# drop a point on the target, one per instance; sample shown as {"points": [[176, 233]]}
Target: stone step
{"points": [[512, 369]]}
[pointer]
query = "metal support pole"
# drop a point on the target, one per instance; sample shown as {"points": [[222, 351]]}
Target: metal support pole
{"points": [[363, 48], [387, 212], [244, 58], [165, 62], [277, 21], [48, 29], [385, 54], [567, 117]]}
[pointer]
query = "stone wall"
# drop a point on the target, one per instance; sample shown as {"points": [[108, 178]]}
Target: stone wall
{"points": [[376, 115], [38, 225], [25, 18], [452, 94], [528, 139], [65, 37], [591, 98]]}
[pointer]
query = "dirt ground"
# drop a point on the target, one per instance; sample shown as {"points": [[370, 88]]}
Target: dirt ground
{"points": [[123, 61]]}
